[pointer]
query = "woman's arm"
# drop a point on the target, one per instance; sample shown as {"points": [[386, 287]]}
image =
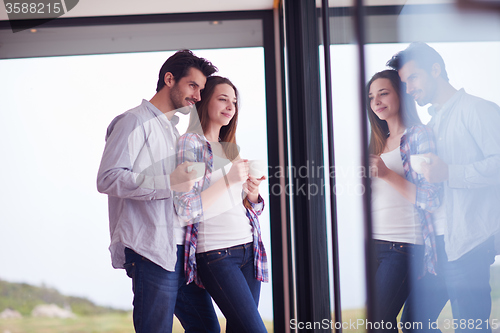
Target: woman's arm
{"points": [[191, 205], [237, 174], [251, 188], [188, 205], [406, 188], [253, 199], [422, 194], [428, 195]]}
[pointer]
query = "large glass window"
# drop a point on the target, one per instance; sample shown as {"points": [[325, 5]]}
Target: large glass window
{"points": [[55, 112], [469, 42]]}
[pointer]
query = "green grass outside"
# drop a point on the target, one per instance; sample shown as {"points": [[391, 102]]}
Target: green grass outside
{"points": [[106, 323], [122, 322]]}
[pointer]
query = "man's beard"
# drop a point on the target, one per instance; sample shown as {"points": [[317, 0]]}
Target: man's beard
{"points": [[176, 97]]}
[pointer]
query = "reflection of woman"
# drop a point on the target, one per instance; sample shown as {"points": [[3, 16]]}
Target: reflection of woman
{"points": [[224, 250], [401, 199]]}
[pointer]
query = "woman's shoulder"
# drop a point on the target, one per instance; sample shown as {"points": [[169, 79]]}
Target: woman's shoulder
{"points": [[421, 139], [419, 129], [192, 138]]}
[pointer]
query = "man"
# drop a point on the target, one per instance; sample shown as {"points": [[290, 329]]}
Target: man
{"points": [[468, 145], [138, 174]]}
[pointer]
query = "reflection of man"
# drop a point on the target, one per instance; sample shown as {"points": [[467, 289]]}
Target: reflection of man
{"points": [[468, 145], [138, 173]]}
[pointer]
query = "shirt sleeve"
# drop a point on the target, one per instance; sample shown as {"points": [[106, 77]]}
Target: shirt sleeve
{"points": [[128, 169], [482, 123], [188, 205], [428, 195], [257, 207]]}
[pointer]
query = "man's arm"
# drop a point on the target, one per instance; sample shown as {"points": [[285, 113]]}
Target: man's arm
{"points": [[482, 124], [127, 169]]}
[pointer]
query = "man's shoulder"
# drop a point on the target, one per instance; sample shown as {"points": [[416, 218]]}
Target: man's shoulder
{"points": [[472, 103], [130, 119], [141, 112]]}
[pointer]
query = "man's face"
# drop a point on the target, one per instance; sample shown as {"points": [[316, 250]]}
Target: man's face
{"points": [[186, 91], [419, 84]]}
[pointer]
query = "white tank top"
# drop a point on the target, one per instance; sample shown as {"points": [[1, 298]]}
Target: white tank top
{"points": [[395, 219], [225, 222]]}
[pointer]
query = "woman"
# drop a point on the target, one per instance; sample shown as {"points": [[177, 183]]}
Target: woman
{"points": [[402, 200], [224, 250]]}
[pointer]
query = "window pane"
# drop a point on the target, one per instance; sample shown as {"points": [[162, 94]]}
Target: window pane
{"points": [[56, 112], [469, 42]]}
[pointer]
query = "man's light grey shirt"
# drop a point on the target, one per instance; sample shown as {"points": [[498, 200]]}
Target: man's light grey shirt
{"points": [[138, 157], [467, 130]]}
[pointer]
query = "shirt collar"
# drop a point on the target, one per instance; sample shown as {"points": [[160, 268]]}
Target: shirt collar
{"points": [[434, 109], [174, 121]]}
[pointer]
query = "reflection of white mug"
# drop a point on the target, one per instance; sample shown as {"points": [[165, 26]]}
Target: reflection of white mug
{"points": [[416, 162], [257, 168], [199, 167]]}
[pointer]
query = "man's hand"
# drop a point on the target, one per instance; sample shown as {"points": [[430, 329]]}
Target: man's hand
{"points": [[181, 180], [436, 171]]}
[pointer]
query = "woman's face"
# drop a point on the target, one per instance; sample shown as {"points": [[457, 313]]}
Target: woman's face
{"points": [[384, 100], [222, 105]]}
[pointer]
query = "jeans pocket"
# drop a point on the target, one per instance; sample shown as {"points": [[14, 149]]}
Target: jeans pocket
{"points": [[130, 269], [404, 248], [212, 257]]}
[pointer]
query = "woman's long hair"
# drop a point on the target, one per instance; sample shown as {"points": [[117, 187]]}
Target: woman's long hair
{"points": [[407, 111], [199, 121]]}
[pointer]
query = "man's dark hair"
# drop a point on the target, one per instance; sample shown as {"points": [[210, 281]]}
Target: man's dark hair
{"points": [[423, 55], [179, 65]]}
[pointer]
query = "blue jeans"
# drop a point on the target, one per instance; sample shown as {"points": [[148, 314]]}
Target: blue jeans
{"points": [[397, 265], [159, 293], [465, 282], [228, 275]]}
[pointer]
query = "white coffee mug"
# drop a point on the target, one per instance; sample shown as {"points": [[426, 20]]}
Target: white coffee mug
{"points": [[257, 168], [416, 162], [199, 167]]}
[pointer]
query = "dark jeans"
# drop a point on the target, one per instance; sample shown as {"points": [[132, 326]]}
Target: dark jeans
{"points": [[158, 294], [465, 282], [397, 265], [228, 275]]}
